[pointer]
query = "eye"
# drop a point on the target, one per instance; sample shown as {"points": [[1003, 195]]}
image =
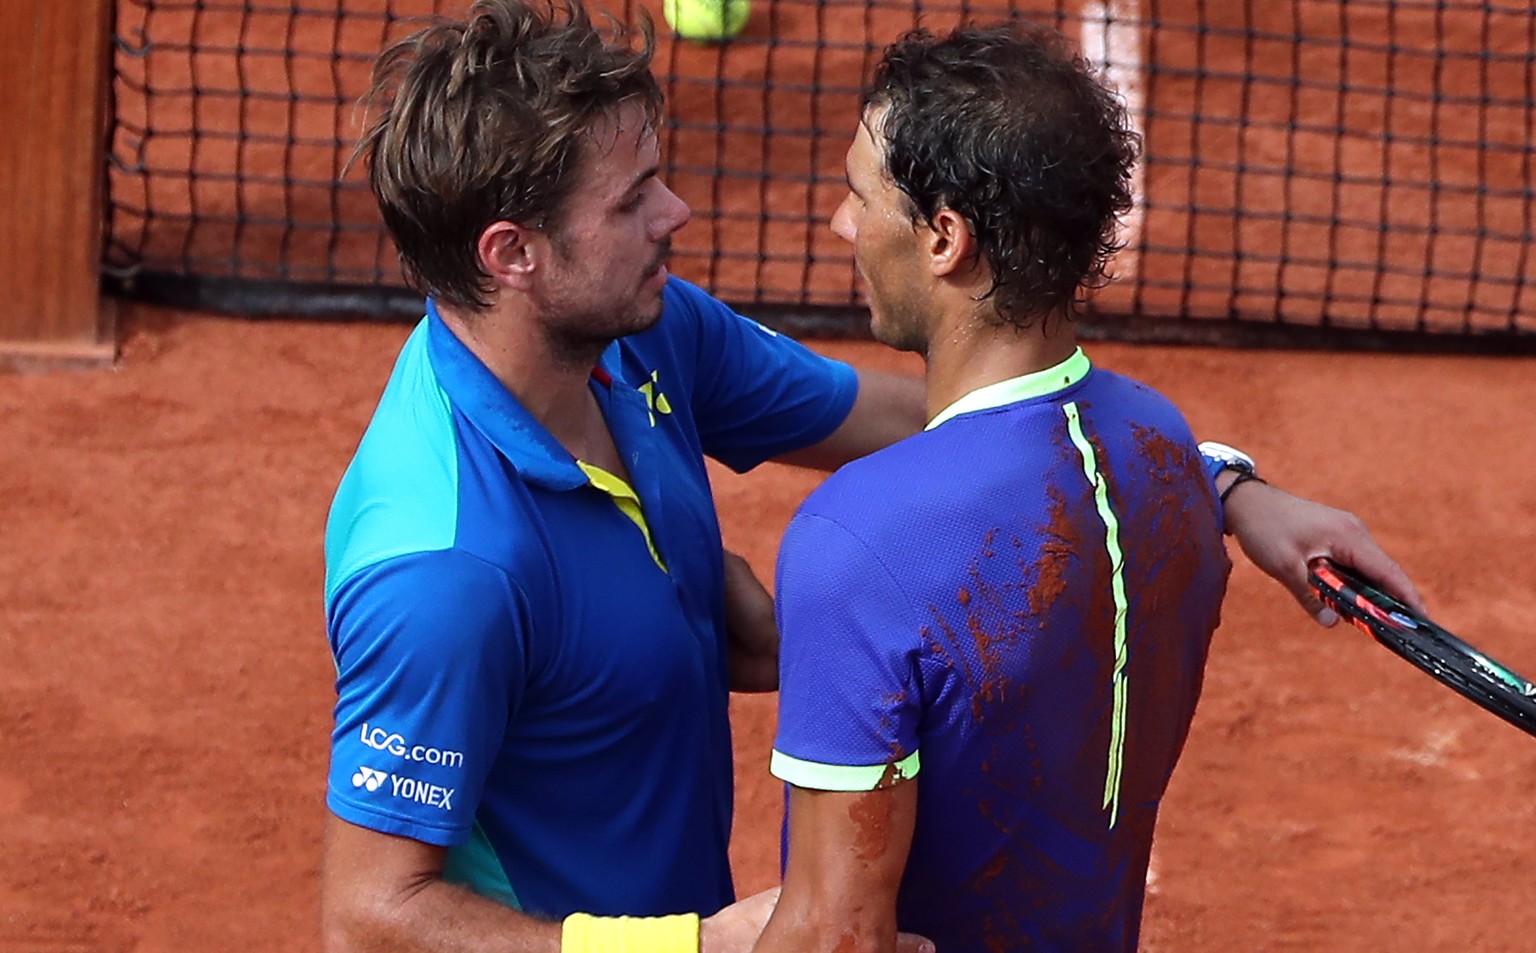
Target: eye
{"points": [[635, 200]]}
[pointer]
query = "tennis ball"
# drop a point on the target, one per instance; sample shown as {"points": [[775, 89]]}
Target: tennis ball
{"points": [[706, 20]]}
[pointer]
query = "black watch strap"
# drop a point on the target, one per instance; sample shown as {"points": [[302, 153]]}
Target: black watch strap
{"points": [[1244, 475]]}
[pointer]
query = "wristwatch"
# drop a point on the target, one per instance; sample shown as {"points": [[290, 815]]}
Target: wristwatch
{"points": [[1226, 458], [1229, 458]]}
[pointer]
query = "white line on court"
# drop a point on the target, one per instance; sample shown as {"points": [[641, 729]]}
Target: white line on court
{"points": [[1111, 42]]}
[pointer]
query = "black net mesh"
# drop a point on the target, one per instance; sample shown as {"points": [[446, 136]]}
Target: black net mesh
{"points": [[1310, 164]]}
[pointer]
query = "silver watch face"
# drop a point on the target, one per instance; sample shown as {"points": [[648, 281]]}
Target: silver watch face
{"points": [[1229, 456]]}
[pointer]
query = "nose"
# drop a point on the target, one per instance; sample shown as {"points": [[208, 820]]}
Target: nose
{"points": [[675, 213], [842, 220]]}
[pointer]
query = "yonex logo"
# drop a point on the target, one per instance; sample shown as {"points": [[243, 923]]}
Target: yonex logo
{"points": [[369, 778], [432, 795], [407, 789]]}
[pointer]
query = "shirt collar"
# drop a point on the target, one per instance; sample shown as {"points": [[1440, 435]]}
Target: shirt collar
{"points": [[1053, 379], [497, 414]]}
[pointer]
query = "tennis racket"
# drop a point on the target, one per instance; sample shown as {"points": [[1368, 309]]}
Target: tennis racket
{"points": [[1425, 645]]}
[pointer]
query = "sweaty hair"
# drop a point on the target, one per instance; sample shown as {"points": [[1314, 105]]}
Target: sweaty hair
{"points": [[481, 121], [1007, 127]]}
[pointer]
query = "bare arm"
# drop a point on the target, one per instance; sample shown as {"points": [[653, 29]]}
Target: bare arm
{"points": [[889, 408], [752, 635], [1281, 533], [847, 851], [385, 894]]}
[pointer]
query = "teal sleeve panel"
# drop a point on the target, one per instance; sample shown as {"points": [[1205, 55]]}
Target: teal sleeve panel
{"points": [[400, 493]]}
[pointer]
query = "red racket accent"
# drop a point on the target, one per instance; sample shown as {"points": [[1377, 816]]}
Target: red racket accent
{"points": [[1426, 645]]}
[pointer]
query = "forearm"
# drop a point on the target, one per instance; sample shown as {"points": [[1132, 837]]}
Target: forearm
{"points": [[443, 918], [889, 407], [813, 929], [433, 916], [1282, 533], [1223, 483], [847, 852], [385, 894]]}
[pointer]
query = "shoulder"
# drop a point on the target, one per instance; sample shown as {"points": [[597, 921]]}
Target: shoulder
{"points": [[686, 311], [1109, 390], [458, 582], [682, 297], [424, 481], [878, 494], [440, 602], [399, 492], [1138, 422], [691, 314], [702, 327], [687, 302]]}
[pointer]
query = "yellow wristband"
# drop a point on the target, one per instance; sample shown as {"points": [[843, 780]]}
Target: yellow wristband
{"points": [[584, 933]]}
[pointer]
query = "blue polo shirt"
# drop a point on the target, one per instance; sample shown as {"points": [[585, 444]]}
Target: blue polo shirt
{"points": [[530, 655], [1012, 608]]}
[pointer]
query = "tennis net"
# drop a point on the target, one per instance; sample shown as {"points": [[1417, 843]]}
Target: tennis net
{"points": [[1311, 166]]}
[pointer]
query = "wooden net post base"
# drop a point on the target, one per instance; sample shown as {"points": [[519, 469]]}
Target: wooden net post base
{"points": [[54, 60]]}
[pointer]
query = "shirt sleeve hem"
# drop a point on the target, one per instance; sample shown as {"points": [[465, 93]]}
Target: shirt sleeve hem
{"points": [[446, 836], [841, 777]]}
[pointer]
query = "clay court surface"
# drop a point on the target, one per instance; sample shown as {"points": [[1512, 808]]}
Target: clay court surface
{"points": [[165, 687]]}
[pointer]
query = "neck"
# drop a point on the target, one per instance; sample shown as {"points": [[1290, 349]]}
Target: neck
{"points": [[549, 381], [976, 352]]}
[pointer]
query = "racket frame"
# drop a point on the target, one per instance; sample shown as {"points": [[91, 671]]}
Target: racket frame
{"points": [[1427, 646]]}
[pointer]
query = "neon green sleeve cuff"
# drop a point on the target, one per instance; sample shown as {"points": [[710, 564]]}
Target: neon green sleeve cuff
{"points": [[840, 777]]}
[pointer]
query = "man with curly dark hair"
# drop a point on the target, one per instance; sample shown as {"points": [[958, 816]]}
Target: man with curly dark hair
{"points": [[993, 633]]}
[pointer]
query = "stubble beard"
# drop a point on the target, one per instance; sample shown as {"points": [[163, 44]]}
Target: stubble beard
{"points": [[898, 328], [576, 338]]}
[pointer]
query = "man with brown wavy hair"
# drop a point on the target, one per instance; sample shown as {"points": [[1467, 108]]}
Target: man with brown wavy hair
{"points": [[488, 123], [534, 626], [525, 586]]}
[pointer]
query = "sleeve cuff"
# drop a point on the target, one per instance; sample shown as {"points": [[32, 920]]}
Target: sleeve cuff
{"points": [[839, 777], [391, 824]]}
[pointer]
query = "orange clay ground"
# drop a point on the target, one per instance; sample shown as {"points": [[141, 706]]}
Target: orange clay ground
{"points": [[165, 687]]}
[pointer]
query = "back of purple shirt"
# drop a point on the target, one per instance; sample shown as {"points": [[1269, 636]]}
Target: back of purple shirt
{"points": [[1016, 605]]}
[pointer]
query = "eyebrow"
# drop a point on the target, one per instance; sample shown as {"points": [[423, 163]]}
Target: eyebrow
{"points": [[644, 176], [640, 179]]}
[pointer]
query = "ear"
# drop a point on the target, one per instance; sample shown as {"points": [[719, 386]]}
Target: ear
{"points": [[511, 253], [951, 245]]}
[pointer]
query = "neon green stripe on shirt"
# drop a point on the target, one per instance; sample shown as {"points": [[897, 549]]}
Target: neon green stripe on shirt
{"points": [[1025, 387], [1117, 583]]}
